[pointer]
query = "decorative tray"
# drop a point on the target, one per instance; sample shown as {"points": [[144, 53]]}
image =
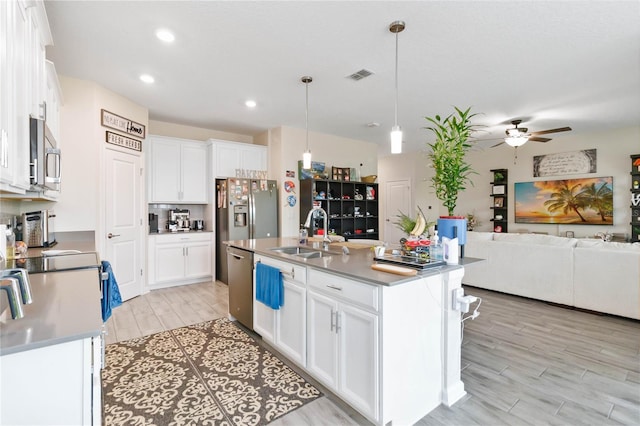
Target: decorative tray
{"points": [[410, 262]]}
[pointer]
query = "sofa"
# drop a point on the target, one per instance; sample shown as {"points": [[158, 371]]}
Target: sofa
{"points": [[583, 273]]}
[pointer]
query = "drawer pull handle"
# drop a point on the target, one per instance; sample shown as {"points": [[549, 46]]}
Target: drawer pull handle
{"points": [[334, 287]]}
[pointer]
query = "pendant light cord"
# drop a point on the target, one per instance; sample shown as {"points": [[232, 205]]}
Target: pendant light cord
{"points": [[396, 115], [306, 116]]}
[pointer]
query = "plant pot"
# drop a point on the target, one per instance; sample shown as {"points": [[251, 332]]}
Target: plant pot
{"points": [[453, 227]]}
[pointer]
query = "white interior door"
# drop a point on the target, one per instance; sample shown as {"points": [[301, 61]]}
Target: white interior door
{"points": [[123, 220], [397, 198]]}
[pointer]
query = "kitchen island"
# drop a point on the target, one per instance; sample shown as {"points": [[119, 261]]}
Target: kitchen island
{"points": [[387, 344]]}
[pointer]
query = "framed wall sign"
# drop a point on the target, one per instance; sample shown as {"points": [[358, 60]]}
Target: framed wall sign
{"points": [[123, 141], [498, 189], [124, 125], [565, 163]]}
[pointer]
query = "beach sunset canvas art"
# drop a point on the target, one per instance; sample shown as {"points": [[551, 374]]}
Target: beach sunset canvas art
{"points": [[587, 201]]}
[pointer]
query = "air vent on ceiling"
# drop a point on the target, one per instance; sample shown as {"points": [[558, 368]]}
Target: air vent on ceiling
{"points": [[359, 75]]}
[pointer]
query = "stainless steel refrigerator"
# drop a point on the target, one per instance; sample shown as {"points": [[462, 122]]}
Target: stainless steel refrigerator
{"points": [[246, 209]]}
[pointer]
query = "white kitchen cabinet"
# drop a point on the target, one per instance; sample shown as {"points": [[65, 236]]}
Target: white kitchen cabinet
{"points": [[53, 99], [176, 259], [57, 384], [285, 328], [232, 156], [322, 357], [24, 35], [343, 343], [177, 171]]}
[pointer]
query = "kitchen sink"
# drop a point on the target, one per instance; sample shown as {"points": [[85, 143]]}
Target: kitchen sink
{"points": [[305, 252], [295, 250]]}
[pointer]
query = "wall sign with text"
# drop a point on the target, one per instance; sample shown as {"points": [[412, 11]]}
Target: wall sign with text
{"points": [[121, 124], [565, 163], [123, 141]]}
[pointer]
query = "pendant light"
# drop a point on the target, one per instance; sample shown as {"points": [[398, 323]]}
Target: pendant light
{"points": [[306, 157], [396, 133]]}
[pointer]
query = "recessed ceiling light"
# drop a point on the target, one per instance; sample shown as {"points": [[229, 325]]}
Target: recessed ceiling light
{"points": [[147, 78], [165, 35], [251, 103]]}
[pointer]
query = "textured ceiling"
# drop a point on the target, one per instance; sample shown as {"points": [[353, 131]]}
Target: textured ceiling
{"points": [[550, 63]]}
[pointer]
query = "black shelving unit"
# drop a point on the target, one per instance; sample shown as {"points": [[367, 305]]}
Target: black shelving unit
{"points": [[352, 207], [499, 199], [635, 196]]}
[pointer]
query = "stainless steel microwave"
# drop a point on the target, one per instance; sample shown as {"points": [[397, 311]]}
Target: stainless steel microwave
{"points": [[44, 157]]}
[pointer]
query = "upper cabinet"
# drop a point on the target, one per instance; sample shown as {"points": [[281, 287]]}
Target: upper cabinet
{"points": [[229, 157], [24, 35], [53, 100], [177, 171]]}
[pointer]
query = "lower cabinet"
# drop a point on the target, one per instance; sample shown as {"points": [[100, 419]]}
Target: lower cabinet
{"points": [[342, 340], [285, 328], [57, 384], [179, 258], [390, 352]]}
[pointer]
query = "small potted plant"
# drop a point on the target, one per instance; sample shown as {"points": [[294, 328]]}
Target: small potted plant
{"points": [[451, 170]]}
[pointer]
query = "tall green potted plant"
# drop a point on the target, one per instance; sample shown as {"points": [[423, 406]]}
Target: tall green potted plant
{"points": [[451, 170]]}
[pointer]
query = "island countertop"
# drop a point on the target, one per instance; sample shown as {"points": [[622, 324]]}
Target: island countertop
{"points": [[66, 306], [355, 265]]}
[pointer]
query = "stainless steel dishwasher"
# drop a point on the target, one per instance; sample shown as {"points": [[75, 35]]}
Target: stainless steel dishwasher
{"points": [[240, 281]]}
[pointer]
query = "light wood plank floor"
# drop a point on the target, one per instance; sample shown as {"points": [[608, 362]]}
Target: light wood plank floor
{"points": [[524, 361]]}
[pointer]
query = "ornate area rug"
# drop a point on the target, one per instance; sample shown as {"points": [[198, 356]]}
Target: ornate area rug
{"points": [[211, 373]]}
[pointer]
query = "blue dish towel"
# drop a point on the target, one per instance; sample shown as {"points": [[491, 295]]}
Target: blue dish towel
{"points": [[110, 292], [269, 286]]}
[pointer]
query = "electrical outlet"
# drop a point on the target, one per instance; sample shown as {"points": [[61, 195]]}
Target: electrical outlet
{"points": [[456, 294]]}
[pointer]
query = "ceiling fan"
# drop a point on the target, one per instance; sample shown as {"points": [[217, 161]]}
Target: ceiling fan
{"points": [[518, 136]]}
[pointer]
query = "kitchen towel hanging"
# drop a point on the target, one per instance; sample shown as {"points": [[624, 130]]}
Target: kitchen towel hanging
{"points": [[269, 286], [110, 292]]}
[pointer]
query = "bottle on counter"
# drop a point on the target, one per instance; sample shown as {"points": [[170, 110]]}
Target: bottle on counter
{"points": [[11, 243], [303, 235], [435, 248]]}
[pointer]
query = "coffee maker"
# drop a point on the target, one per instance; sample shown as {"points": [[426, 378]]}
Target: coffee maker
{"points": [[179, 220]]}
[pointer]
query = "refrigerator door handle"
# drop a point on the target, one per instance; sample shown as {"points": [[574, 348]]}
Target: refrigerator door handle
{"points": [[252, 216]]}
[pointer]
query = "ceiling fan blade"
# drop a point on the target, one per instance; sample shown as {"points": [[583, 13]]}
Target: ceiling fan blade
{"points": [[537, 139], [498, 144], [559, 129]]}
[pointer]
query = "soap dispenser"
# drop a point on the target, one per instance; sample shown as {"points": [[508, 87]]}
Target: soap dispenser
{"points": [[302, 235], [435, 248]]}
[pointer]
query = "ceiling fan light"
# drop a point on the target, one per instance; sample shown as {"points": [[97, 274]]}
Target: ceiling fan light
{"points": [[396, 140], [306, 160], [516, 141]]}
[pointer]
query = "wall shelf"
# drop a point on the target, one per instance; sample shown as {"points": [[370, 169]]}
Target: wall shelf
{"points": [[352, 207], [499, 199], [635, 194]]}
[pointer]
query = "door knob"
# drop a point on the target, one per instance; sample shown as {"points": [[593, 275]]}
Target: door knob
{"points": [[110, 235]]}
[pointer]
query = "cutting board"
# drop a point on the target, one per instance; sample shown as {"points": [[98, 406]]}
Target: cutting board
{"points": [[394, 269]]}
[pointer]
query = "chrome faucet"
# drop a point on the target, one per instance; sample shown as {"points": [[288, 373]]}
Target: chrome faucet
{"points": [[22, 277], [10, 285], [325, 240]]}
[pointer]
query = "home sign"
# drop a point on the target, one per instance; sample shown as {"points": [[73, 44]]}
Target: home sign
{"points": [[122, 124]]}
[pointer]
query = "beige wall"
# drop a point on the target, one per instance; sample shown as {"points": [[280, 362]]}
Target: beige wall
{"points": [[613, 150], [162, 128], [410, 167], [82, 139], [286, 146]]}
